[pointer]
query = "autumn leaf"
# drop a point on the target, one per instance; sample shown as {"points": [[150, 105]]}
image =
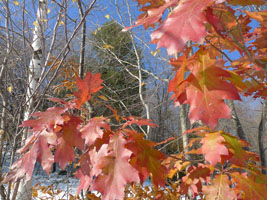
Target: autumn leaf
{"points": [[219, 189], [215, 22], [205, 91], [213, 148], [116, 170], [115, 113], [85, 181], [188, 19], [247, 188], [177, 84], [240, 156], [16, 3], [138, 121], [151, 2], [146, 159], [88, 86], [85, 164], [9, 89], [89, 167], [107, 16], [40, 151], [108, 46], [68, 105], [154, 53], [246, 2], [48, 119], [93, 129], [194, 179], [68, 137], [175, 165], [153, 14], [35, 23], [259, 16], [61, 156]]}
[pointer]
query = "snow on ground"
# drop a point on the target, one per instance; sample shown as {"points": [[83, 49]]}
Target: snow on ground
{"points": [[55, 187]]}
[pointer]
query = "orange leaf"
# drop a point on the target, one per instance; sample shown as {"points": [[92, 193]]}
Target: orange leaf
{"points": [[219, 189], [88, 86]]}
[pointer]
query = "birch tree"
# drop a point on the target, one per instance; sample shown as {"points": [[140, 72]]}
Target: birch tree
{"points": [[35, 67]]}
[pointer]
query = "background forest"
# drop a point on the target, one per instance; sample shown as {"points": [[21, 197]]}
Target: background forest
{"points": [[48, 48]]}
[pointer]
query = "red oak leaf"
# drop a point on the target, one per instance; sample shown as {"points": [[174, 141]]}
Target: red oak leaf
{"points": [[84, 173], [194, 179], [146, 159], [177, 84], [64, 153], [44, 155], [115, 113], [48, 119], [185, 23], [215, 22], [89, 167], [85, 181], [188, 19], [239, 156], [139, 121], [219, 189], [68, 137], [208, 106], [247, 188], [116, 170], [40, 152], [88, 86], [99, 142], [153, 15], [85, 163], [213, 147], [93, 130], [206, 90], [69, 105]]}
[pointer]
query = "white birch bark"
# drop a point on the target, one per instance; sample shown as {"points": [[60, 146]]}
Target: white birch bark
{"points": [[25, 189]]}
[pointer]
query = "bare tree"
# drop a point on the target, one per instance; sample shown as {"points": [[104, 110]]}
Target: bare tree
{"points": [[31, 62]]}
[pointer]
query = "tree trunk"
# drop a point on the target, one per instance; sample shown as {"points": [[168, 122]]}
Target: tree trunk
{"points": [[238, 125], [262, 130], [25, 188], [3, 96], [185, 125]]}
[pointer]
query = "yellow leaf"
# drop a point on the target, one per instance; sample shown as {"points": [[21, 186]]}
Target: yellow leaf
{"points": [[103, 97], [48, 11], [172, 172], [108, 46], [35, 23], [107, 16], [35, 193], [61, 23], [1, 132], [16, 3], [73, 1], [9, 89], [43, 20], [154, 53], [95, 32]]}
